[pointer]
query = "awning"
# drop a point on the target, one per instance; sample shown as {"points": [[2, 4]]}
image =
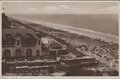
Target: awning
{"points": [[21, 67]]}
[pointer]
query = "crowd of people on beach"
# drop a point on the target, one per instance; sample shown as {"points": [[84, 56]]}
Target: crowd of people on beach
{"points": [[107, 51], [102, 49]]}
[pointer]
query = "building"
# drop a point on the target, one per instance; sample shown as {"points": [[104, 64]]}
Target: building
{"points": [[22, 50], [24, 53], [21, 43]]}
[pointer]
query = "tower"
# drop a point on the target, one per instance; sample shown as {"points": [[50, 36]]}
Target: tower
{"points": [[18, 40], [18, 48], [38, 45]]}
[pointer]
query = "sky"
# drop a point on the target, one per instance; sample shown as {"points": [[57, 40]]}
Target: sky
{"points": [[60, 7]]}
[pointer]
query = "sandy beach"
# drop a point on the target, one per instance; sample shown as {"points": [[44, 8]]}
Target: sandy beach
{"points": [[80, 31]]}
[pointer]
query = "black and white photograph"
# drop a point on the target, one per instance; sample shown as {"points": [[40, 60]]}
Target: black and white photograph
{"points": [[77, 38], [59, 0]]}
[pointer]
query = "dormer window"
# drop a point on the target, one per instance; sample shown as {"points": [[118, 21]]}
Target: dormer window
{"points": [[18, 35], [38, 35], [29, 36]]}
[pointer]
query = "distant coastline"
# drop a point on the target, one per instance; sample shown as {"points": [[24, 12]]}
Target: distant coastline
{"points": [[90, 33], [105, 23]]}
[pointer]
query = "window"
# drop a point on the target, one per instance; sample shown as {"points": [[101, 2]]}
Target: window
{"points": [[8, 36], [28, 53], [37, 53], [29, 36], [38, 42], [18, 35], [7, 53], [18, 42], [18, 53]]}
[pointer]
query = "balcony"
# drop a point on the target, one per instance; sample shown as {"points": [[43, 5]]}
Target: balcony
{"points": [[8, 43], [28, 42]]}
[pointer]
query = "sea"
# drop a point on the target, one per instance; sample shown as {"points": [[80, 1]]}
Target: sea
{"points": [[103, 25]]}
